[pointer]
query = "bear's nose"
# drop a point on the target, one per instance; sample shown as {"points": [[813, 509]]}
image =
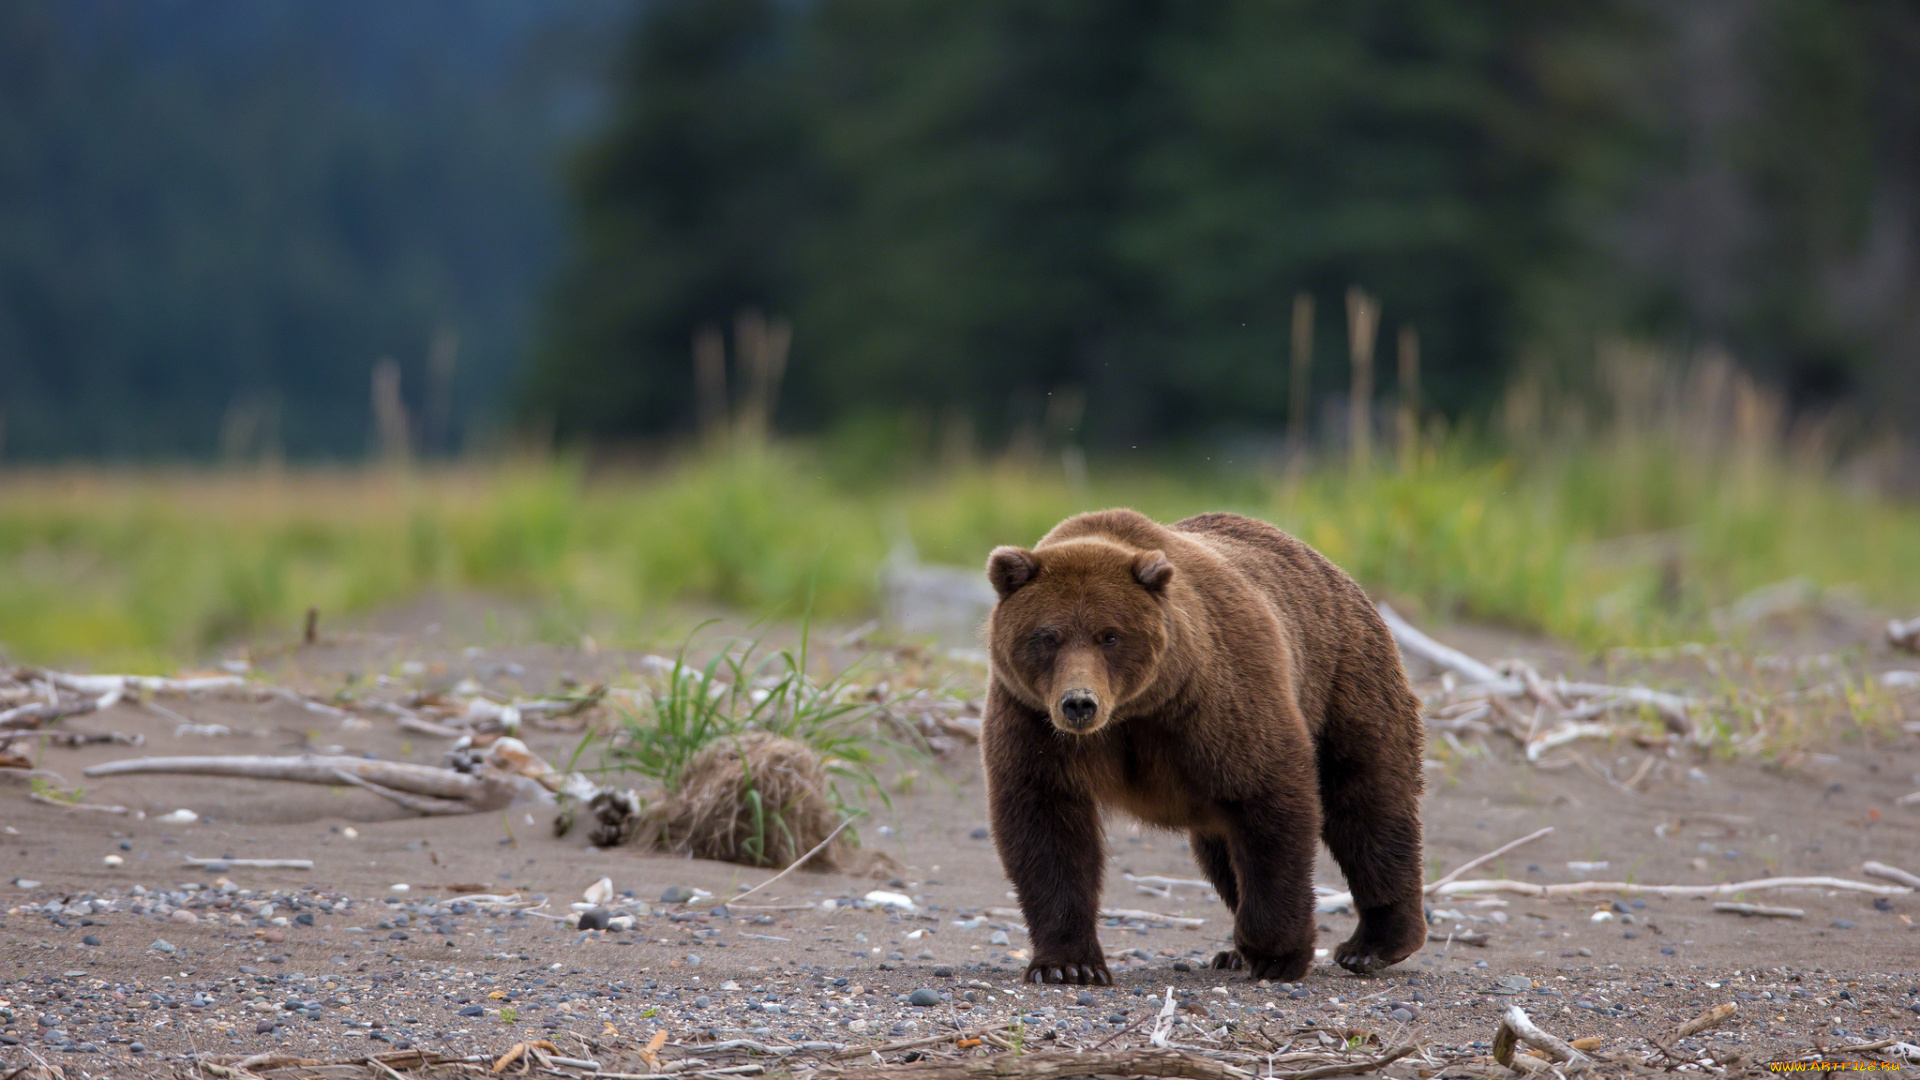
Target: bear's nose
{"points": [[1078, 706]]}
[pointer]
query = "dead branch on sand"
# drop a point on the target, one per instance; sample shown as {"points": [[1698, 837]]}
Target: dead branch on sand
{"points": [[507, 774], [1628, 888], [1891, 873], [1733, 908], [1515, 1028], [1540, 714]]}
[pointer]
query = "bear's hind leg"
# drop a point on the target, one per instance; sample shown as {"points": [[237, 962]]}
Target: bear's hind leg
{"points": [[1370, 784]]}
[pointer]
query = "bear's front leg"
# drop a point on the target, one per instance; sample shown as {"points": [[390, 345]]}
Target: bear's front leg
{"points": [[1271, 842], [1048, 834]]}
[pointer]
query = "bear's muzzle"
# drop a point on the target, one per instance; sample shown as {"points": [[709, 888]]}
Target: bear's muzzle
{"points": [[1078, 708]]}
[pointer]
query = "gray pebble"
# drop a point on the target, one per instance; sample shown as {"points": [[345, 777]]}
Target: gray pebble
{"points": [[594, 919], [998, 937], [1086, 998], [1843, 924], [676, 894], [924, 997]]}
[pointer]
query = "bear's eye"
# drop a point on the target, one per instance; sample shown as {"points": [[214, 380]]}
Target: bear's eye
{"points": [[1046, 637], [1109, 639]]}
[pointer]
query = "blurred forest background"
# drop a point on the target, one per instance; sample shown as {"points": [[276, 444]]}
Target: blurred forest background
{"points": [[736, 301], [216, 217]]}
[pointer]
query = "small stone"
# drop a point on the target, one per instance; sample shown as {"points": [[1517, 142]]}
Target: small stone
{"points": [[1668, 950], [1086, 998], [676, 894], [163, 945], [980, 833], [1843, 924], [702, 1001], [473, 1010], [998, 937], [1182, 965], [264, 1027], [942, 971], [1583, 951], [113, 861], [1403, 1014], [924, 997], [136, 1048], [182, 915], [595, 918], [26, 883], [305, 918], [90, 939]]}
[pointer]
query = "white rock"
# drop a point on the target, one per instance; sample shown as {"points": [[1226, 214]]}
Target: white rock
{"points": [[179, 817], [599, 892], [890, 899]]}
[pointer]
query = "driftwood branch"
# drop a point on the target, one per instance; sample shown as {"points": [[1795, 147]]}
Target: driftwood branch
{"points": [[1891, 873], [1414, 642], [1628, 888], [1712, 1018], [483, 790], [1759, 909], [1515, 1027], [1487, 858]]}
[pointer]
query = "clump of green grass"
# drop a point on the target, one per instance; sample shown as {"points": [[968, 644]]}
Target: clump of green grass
{"points": [[745, 689]]}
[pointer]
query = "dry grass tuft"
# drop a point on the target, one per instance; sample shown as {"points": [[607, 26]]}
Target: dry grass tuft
{"points": [[754, 798]]}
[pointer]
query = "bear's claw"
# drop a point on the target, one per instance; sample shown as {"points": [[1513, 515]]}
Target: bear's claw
{"points": [[1290, 968], [1088, 974]]}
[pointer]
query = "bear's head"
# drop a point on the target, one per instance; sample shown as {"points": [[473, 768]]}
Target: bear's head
{"points": [[1080, 627]]}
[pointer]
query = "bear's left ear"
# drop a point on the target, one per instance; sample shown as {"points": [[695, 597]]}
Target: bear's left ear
{"points": [[1008, 568], [1152, 569]]}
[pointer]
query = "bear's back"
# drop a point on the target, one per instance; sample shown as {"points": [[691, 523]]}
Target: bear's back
{"points": [[1324, 614]]}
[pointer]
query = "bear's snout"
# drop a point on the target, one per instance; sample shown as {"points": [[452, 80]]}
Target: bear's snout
{"points": [[1078, 708]]}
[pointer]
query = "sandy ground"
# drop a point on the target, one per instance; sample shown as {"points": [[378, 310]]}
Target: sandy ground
{"points": [[90, 968]]}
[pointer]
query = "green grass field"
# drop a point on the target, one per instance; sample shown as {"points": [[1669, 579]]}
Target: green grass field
{"points": [[1605, 541]]}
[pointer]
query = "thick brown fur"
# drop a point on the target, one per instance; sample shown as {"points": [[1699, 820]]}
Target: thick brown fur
{"points": [[1216, 676]]}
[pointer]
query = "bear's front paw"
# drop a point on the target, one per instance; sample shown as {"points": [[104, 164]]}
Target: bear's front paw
{"points": [[1083, 972], [1289, 966]]}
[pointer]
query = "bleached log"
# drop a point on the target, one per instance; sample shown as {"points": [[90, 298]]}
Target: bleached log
{"points": [[1414, 642], [479, 791], [1712, 1018], [1516, 1027], [97, 685], [1628, 888], [251, 864], [1733, 908], [1454, 874], [1891, 873]]}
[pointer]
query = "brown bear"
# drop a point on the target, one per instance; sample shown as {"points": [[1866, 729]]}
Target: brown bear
{"points": [[1217, 676]]}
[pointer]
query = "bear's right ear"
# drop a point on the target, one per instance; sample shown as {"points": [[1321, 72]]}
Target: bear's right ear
{"points": [[1008, 568]]}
